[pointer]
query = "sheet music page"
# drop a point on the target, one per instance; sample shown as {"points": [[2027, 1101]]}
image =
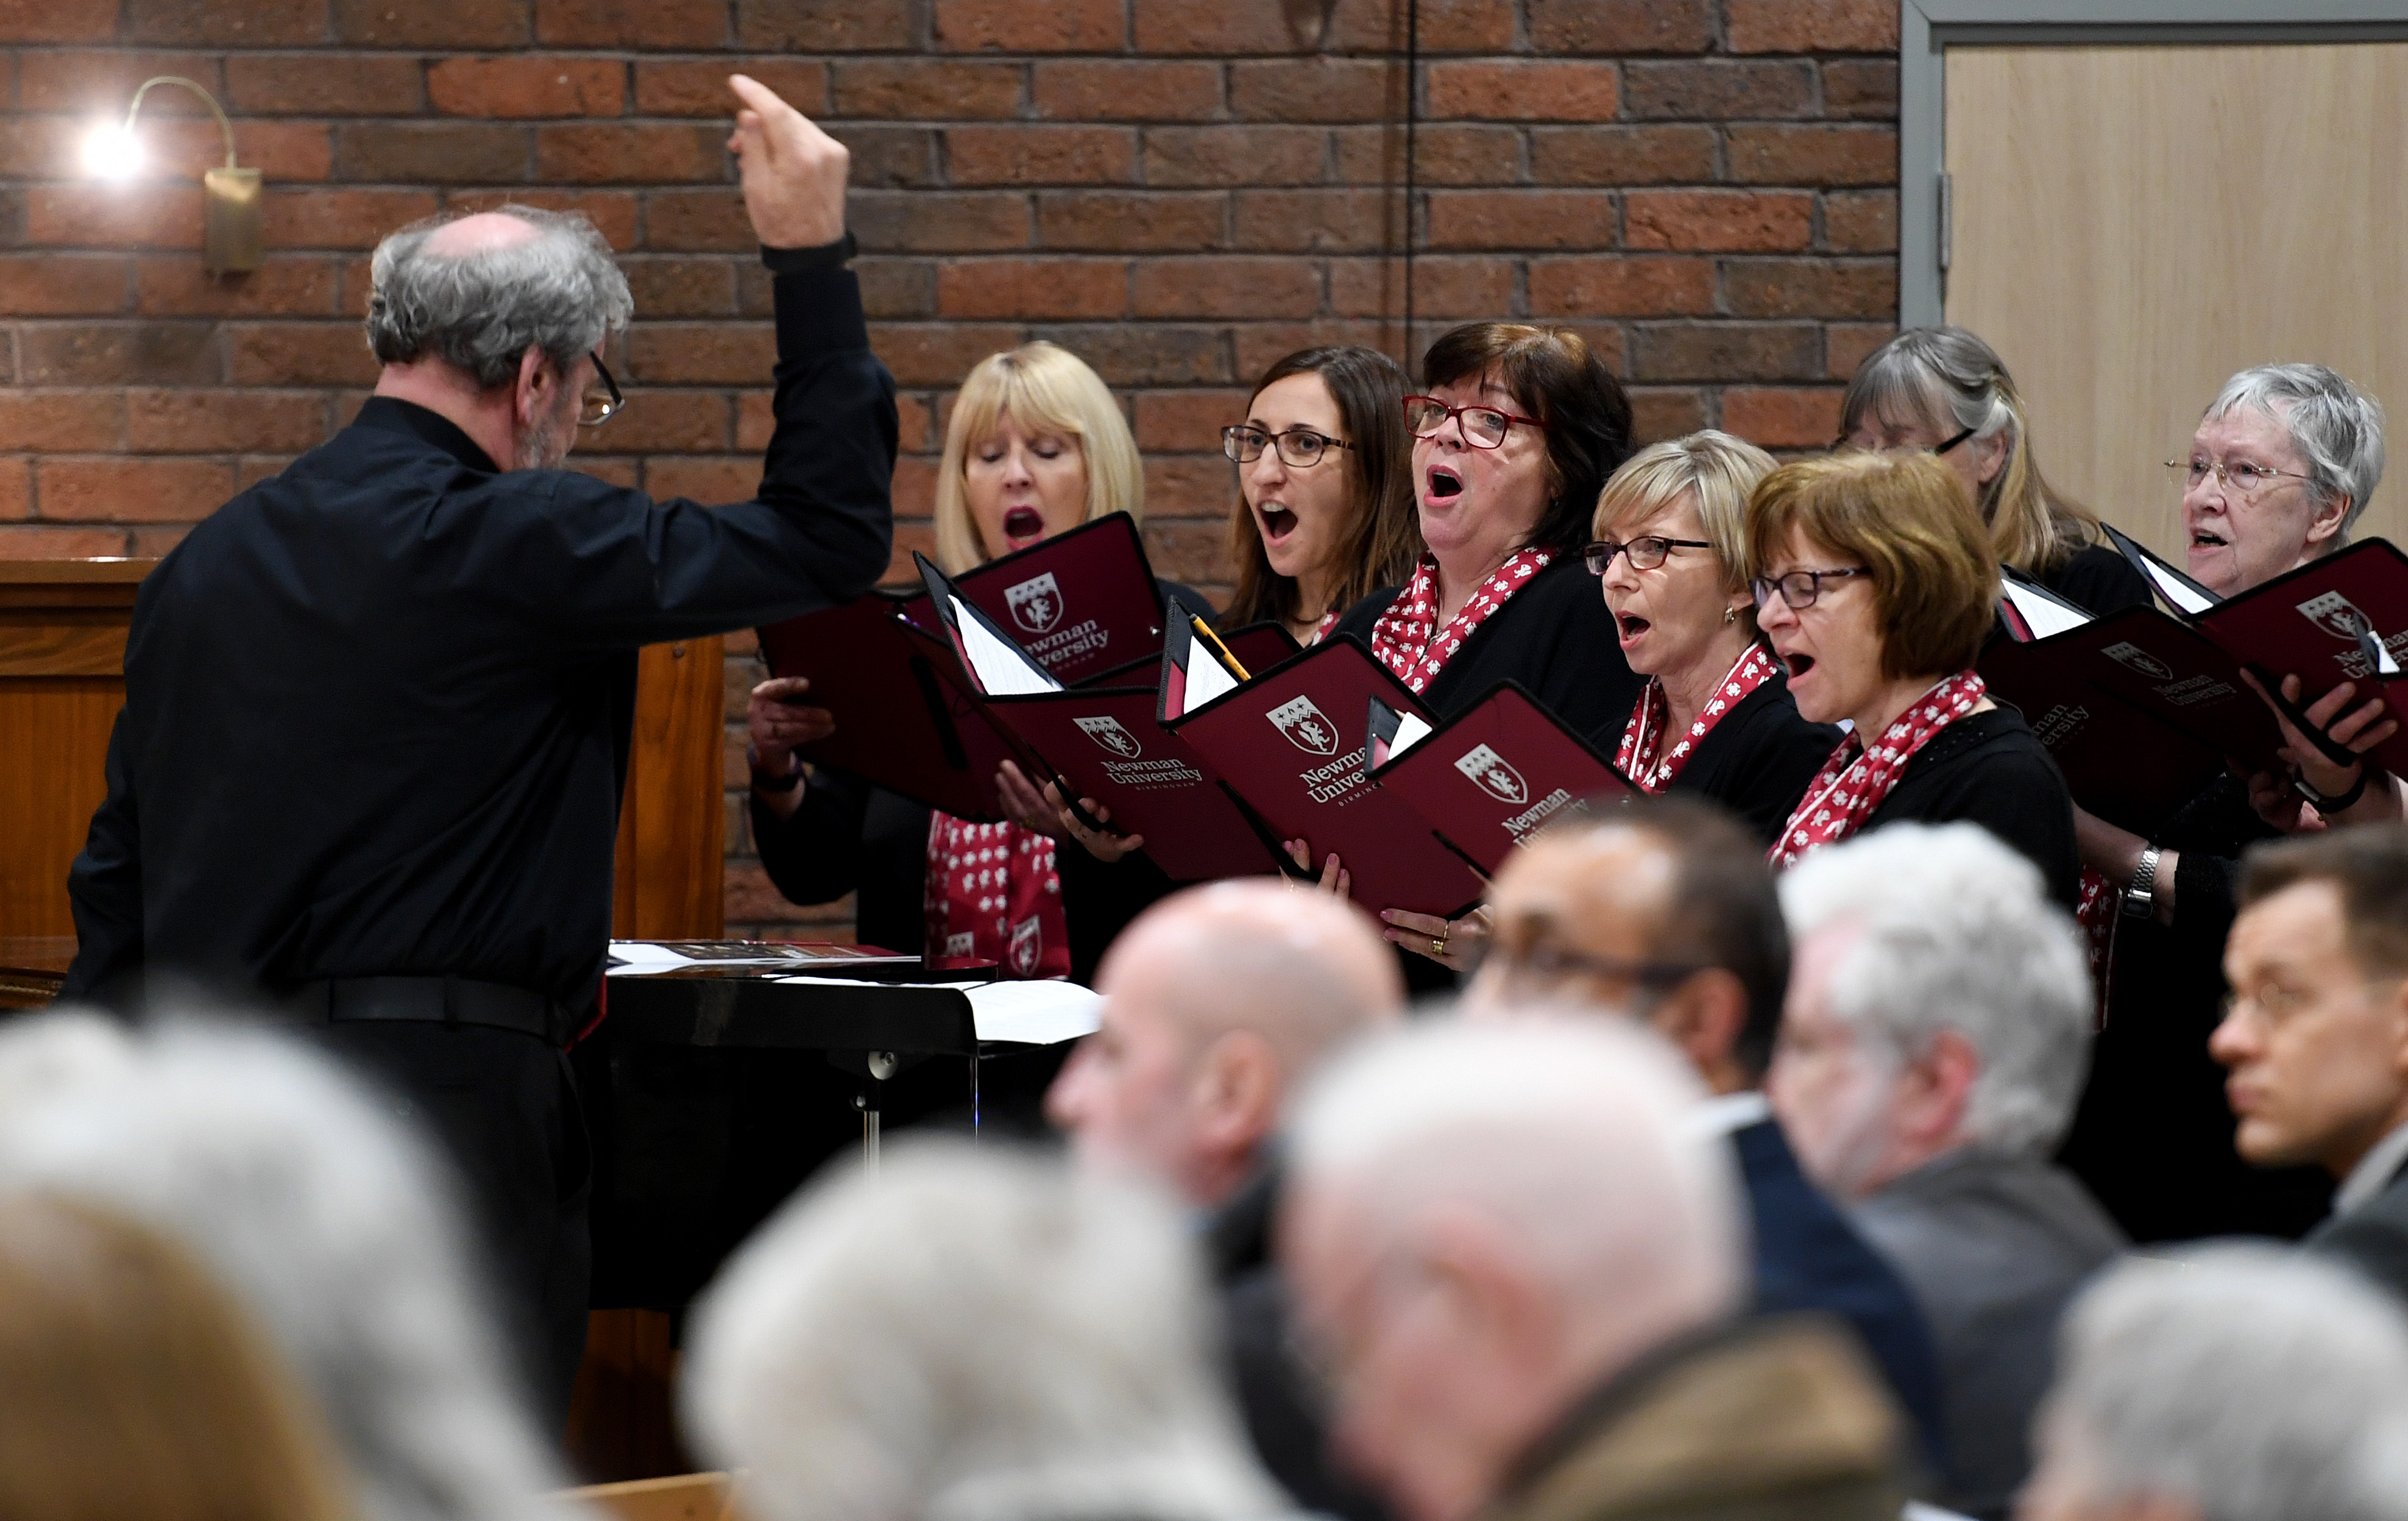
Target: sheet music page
{"points": [[1206, 677], [2176, 593], [1411, 731], [1002, 671], [2046, 615], [1038, 1013]]}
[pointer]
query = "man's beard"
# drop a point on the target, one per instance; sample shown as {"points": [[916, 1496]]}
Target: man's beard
{"points": [[545, 445]]}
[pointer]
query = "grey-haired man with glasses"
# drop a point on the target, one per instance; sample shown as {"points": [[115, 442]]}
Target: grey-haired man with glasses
{"points": [[378, 707]]}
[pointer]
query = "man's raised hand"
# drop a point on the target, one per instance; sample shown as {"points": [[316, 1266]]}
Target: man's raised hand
{"points": [[793, 173]]}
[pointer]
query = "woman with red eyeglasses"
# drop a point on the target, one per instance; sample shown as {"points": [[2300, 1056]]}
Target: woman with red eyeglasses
{"points": [[1516, 433]]}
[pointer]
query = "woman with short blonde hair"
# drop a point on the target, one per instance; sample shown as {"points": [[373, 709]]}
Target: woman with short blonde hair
{"points": [[1035, 446], [1716, 717], [1944, 391], [1875, 583], [1078, 444]]}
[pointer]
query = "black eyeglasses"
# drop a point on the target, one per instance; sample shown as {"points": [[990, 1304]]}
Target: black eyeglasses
{"points": [[1848, 442], [1646, 551], [1300, 447], [1800, 588], [1484, 427], [603, 403]]}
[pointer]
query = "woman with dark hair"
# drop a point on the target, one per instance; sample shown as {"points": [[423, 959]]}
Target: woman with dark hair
{"points": [[1519, 430], [1325, 510]]}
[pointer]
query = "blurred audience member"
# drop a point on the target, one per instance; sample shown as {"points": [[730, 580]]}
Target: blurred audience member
{"points": [[1929, 1055], [331, 1223], [136, 1389], [972, 1336], [1666, 914], [2316, 1031], [2234, 1383], [1516, 1256], [1217, 1004]]}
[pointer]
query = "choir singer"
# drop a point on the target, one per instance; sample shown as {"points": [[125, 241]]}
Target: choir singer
{"points": [[378, 707]]}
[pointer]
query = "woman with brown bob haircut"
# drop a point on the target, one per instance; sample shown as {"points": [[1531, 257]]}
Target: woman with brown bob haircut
{"points": [[137, 1390], [1875, 585], [1325, 508], [1517, 433]]}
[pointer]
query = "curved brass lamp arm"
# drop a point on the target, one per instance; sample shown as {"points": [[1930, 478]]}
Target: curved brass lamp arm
{"points": [[196, 87]]}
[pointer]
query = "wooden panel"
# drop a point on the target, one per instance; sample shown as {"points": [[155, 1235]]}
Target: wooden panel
{"points": [[672, 828], [60, 649], [686, 1497], [2135, 224], [51, 778]]}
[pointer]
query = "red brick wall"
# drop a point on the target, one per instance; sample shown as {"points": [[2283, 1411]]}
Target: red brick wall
{"points": [[1173, 187]]}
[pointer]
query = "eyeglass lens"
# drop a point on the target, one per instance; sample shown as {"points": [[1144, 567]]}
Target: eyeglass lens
{"points": [[1300, 447], [1483, 426]]}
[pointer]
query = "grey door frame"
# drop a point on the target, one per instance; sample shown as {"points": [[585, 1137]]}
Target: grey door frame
{"points": [[1928, 28]]}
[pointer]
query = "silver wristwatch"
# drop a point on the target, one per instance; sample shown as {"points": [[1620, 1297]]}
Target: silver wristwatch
{"points": [[2140, 893]]}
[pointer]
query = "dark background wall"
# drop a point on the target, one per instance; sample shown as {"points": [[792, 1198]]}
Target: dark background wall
{"points": [[1180, 189]]}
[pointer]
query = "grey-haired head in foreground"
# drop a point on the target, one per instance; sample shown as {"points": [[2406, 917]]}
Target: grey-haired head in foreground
{"points": [[2231, 1384], [296, 1189], [480, 308]]}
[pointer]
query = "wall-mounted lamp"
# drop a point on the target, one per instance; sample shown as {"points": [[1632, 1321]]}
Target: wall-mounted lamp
{"points": [[230, 240]]}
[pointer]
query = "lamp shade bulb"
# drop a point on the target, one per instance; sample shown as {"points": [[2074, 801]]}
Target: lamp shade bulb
{"points": [[112, 151]]}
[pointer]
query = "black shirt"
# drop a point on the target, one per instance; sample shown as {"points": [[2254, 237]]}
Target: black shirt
{"points": [[1991, 769], [1553, 636], [2098, 580], [1758, 758], [378, 706]]}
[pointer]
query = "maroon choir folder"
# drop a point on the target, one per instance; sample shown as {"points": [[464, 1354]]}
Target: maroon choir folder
{"points": [[907, 717], [1104, 743], [1290, 742], [1083, 602], [1487, 778]]}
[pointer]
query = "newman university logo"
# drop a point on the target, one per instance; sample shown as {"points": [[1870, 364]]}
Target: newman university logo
{"points": [[1496, 779], [1307, 727], [1035, 603], [1107, 731], [2336, 616], [1028, 946], [2132, 658]]}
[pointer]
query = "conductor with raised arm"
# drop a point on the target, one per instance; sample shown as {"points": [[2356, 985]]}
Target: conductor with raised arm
{"points": [[378, 707]]}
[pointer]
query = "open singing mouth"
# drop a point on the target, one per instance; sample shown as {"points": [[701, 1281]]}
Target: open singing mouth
{"points": [[1277, 521], [1632, 625], [1022, 523], [2201, 538], [1444, 483]]}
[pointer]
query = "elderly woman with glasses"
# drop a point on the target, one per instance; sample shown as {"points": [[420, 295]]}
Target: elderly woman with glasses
{"points": [[1716, 717], [2283, 464], [1515, 437], [1876, 586]]}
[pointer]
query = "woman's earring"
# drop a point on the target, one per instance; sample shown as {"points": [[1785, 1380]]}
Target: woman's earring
{"points": [[1731, 615]]}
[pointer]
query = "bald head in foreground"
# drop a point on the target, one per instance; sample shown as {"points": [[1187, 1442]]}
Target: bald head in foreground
{"points": [[1519, 1259], [1217, 1002]]}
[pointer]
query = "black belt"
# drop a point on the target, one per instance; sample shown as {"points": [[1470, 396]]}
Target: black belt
{"points": [[431, 1001]]}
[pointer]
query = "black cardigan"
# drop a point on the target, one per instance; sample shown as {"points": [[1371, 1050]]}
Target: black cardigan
{"points": [[2099, 582], [1992, 770], [1553, 636], [1758, 759]]}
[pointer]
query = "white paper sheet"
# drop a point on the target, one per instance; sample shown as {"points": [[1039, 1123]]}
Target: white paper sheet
{"points": [[1206, 677], [1002, 671], [2045, 615], [2176, 593], [1411, 731], [1036, 1013]]}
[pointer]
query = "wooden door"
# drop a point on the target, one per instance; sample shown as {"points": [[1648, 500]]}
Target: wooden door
{"points": [[2133, 224]]}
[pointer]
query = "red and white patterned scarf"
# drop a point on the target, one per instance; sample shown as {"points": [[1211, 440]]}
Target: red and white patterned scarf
{"points": [[992, 893], [1855, 781], [1407, 638], [1643, 758], [1321, 630]]}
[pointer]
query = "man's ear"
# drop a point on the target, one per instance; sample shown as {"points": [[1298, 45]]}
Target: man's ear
{"points": [[1932, 1104], [1704, 1016], [1238, 1090], [531, 397]]}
